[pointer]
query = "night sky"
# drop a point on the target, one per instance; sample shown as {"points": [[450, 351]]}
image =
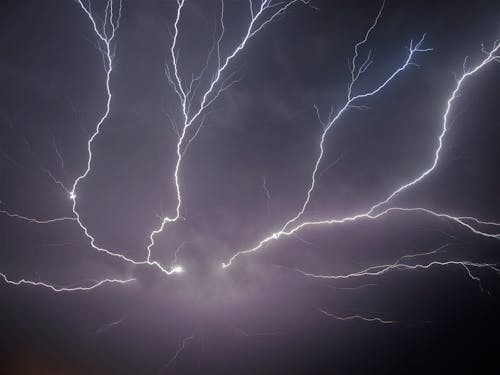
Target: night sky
{"points": [[244, 175]]}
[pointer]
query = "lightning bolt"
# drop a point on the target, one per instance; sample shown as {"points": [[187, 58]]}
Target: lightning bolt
{"points": [[374, 212], [193, 113], [105, 34], [105, 30]]}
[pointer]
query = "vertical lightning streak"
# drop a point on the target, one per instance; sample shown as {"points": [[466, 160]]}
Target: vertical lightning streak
{"points": [[106, 39], [258, 21], [332, 121], [355, 74], [179, 350], [375, 271], [106, 36], [267, 193], [491, 56]]}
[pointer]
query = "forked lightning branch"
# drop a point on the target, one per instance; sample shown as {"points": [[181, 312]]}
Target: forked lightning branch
{"points": [[195, 100]]}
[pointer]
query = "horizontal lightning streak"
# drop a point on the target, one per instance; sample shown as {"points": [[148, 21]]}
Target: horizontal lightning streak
{"points": [[356, 317], [379, 270], [63, 289], [36, 221]]}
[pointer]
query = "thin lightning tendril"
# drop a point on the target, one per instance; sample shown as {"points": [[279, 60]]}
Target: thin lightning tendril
{"points": [[36, 221], [179, 350], [356, 317], [105, 31], [63, 289]]}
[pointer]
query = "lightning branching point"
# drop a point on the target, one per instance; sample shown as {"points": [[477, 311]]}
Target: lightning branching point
{"points": [[267, 194], [491, 56], [374, 212], [105, 34], [105, 31], [351, 101], [195, 103]]}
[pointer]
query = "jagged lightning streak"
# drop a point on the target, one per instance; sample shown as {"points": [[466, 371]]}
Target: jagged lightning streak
{"points": [[491, 56], [179, 350], [351, 101], [106, 35], [367, 215], [261, 16], [356, 317], [107, 326], [398, 265], [267, 193], [63, 289], [174, 264], [382, 269], [34, 220]]}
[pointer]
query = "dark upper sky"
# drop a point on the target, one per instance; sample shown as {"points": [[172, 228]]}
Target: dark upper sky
{"points": [[258, 316]]}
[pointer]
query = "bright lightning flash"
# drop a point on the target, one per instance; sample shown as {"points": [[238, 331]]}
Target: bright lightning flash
{"points": [[195, 98], [194, 110]]}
